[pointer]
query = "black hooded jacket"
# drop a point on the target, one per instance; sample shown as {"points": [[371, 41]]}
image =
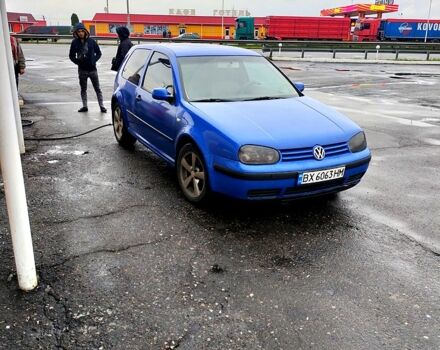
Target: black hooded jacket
{"points": [[84, 54], [123, 48]]}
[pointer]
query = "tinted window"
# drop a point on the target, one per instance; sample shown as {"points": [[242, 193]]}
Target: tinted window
{"points": [[159, 73], [134, 65]]}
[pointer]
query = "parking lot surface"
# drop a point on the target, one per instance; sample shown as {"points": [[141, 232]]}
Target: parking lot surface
{"points": [[126, 263]]}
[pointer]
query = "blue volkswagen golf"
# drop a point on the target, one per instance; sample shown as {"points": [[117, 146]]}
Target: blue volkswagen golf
{"points": [[231, 122]]}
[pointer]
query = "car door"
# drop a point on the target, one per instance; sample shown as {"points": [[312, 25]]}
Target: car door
{"points": [[159, 118], [130, 78]]}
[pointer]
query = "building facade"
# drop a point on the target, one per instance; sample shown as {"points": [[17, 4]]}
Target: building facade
{"points": [[155, 26], [18, 22]]}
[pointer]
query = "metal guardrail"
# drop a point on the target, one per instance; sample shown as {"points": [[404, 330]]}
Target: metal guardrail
{"points": [[271, 46]]}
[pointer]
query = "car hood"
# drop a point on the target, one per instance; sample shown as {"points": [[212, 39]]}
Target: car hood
{"points": [[283, 123]]}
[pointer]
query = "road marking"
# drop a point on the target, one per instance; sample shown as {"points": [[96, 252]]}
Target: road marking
{"points": [[60, 103], [402, 121]]}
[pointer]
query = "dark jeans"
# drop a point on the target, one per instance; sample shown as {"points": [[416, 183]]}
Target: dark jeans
{"points": [[17, 73], [93, 75]]}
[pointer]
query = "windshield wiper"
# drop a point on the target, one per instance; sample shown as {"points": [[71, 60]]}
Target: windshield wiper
{"points": [[262, 98], [213, 100]]}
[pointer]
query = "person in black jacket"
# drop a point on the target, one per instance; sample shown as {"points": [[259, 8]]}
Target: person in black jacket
{"points": [[125, 45], [85, 52]]}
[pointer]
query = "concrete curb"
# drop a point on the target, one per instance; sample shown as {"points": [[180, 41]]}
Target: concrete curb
{"points": [[359, 61]]}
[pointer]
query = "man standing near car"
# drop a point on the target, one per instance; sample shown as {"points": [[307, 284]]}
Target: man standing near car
{"points": [[18, 58], [125, 45], [85, 52]]}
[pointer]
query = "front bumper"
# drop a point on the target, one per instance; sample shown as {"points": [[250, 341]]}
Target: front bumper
{"points": [[280, 181]]}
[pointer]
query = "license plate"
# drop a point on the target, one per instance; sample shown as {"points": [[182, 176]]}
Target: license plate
{"points": [[321, 176]]}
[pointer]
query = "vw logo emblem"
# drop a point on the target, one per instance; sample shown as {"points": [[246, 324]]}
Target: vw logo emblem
{"points": [[319, 152]]}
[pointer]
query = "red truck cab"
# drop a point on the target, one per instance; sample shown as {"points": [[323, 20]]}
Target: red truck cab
{"points": [[366, 29]]}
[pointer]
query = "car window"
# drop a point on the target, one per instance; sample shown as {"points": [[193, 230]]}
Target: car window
{"points": [[159, 73], [233, 78], [134, 65]]}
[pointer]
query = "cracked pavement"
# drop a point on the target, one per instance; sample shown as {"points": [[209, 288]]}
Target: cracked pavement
{"points": [[125, 262]]}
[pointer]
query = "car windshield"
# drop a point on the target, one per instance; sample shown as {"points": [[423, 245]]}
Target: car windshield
{"points": [[232, 78]]}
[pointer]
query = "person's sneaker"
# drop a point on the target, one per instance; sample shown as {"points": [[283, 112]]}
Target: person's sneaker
{"points": [[103, 109], [83, 110]]}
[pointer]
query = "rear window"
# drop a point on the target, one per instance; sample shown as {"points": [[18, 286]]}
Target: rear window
{"points": [[134, 65]]}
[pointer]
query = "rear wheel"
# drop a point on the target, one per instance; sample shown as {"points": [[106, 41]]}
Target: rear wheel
{"points": [[192, 174], [121, 133]]}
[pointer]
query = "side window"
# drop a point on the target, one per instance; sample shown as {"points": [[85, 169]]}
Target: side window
{"points": [[134, 65], [159, 74]]}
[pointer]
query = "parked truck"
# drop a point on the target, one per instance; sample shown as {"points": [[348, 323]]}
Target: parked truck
{"points": [[397, 30], [294, 28]]}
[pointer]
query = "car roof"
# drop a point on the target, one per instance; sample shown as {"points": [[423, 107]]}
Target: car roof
{"points": [[189, 49]]}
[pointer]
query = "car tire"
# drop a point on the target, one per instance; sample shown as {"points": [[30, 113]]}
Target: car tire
{"points": [[192, 174], [124, 138]]}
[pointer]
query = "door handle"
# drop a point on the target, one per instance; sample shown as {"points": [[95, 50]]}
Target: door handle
{"points": [[138, 98]]}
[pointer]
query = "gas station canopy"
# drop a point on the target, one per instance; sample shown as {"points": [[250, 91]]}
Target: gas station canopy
{"points": [[363, 9]]}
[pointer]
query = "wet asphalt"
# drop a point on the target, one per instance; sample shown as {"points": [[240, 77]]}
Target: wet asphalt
{"points": [[126, 263]]}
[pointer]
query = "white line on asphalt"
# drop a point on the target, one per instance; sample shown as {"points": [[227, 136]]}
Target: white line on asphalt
{"points": [[402, 121], [61, 103]]}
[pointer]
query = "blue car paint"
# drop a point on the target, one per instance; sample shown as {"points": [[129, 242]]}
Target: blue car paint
{"points": [[219, 129]]}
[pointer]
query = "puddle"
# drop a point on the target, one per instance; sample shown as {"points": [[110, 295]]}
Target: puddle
{"points": [[291, 68], [398, 77], [433, 142], [431, 120], [430, 105], [61, 150], [421, 75], [58, 151]]}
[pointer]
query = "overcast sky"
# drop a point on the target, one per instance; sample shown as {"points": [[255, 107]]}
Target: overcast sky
{"points": [[59, 11]]}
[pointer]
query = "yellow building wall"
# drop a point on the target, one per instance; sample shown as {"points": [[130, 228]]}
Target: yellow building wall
{"points": [[205, 31], [102, 28], [138, 28], [174, 29]]}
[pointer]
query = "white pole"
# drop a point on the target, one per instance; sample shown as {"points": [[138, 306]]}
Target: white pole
{"points": [[128, 14], [429, 19], [10, 65], [223, 19], [12, 174]]}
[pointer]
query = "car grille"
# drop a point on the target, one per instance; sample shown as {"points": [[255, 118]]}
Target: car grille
{"points": [[314, 187], [327, 186], [295, 154], [264, 193]]}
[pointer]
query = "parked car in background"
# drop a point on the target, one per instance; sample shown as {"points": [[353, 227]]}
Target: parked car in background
{"points": [[188, 36], [231, 122], [46, 30]]}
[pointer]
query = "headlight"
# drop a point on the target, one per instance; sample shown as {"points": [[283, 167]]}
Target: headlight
{"points": [[258, 155], [358, 142]]}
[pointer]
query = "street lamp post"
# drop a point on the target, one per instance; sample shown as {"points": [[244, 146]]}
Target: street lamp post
{"points": [[223, 19], [429, 19], [128, 14]]}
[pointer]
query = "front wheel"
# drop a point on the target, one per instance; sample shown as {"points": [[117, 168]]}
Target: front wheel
{"points": [[121, 133], [192, 174]]}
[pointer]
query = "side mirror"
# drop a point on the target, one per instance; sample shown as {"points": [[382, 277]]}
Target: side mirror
{"points": [[162, 94], [299, 86]]}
